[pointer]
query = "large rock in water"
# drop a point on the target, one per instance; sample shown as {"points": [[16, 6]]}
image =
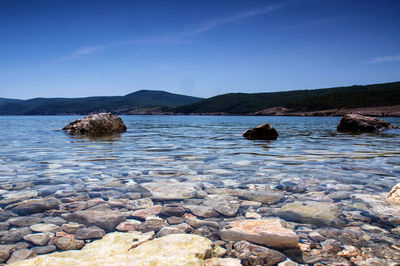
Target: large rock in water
{"points": [[262, 132], [95, 124], [394, 195], [119, 249], [268, 232], [359, 123]]}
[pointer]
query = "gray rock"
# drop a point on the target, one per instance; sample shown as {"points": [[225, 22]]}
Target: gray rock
{"points": [[92, 232], [171, 190], [71, 228], [14, 235], [263, 196], [4, 253], [45, 228], [35, 206], [175, 220], [359, 123], [172, 210], [24, 221], [250, 254], [196, 223], [261, 132], [105, 219], [313, 212], [68, 243], [96, 124], [4, 226], [152, 224], [201, 211], [20, 254], [39, 239], [4, 215], [139, 204], [224, 205], [44, 249], [169, 231]]}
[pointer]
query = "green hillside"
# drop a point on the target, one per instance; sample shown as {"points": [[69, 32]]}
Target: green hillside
{"points": [[302, 100], [115, 104]]}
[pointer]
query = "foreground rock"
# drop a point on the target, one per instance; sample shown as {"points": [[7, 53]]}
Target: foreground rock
{"points": [[394, 195], [262, 132], [120, 249], [313, 212], [268, 232], [359, 123], [101, 123], [251, 254]]}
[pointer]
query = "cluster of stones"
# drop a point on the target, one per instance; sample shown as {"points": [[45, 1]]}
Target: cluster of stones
{"points": [[251, 226]]}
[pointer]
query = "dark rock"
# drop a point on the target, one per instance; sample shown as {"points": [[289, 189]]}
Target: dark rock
{"points": [[92, 232], [250, 254], [153, 224], [172, 210], [106, 219], [14, 235], [359, 123], [202, 211], [44, 249], [24, 221], [169, 231], [262, 132], [101, 123], [35, 206], [4, 226], [4, 253], [4, 215]]}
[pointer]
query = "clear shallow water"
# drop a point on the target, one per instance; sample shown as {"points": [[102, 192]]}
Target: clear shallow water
{"points": [[199, 148]]}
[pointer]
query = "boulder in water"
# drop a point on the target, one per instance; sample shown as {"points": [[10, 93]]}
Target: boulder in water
{"points": [[262, 132], [95, 124], [359, 123]]}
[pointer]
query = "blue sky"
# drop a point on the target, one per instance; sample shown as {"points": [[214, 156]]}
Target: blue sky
{"points": [[80, 48]]}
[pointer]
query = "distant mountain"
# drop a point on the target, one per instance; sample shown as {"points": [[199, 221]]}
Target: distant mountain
{"points": [[385, 94], [115, 104]]}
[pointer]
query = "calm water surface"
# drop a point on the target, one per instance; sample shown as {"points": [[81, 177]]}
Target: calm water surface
{"points": [[199, 148]]}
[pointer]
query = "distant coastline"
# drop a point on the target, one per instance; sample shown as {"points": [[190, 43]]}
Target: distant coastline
{"points": [[373, 100]]}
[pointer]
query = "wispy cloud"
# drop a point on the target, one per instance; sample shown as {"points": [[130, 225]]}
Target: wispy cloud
{"points": [[384, 59], [82, 51], [313, 22], [213, 23]]}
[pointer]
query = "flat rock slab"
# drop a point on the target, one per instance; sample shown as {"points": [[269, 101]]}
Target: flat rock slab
{"points": [[35, 206], [263, 196], [95, 124], [105, 219], [268, 232], [39, 239], [360, 123], [45, 228], [313, 212], [171, 190], [121, 249], [224, 205]]}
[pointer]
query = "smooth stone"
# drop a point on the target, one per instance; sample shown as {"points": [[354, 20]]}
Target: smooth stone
{"points": [[4, 226], [68, 243], [71, 227], [4, 215], [169, 231], [313, 212], [24, 221], [267, 197], [139, 204], [148, 212], [175, 220], [222, 262], [105, 219], [252, 215], [172, 210], [250, 254], [288, 262], [14, 235], [201, 211], [39, 239], [20, 254], [224, 205], [268, 232], [184, 227], [94, 124], [35, 206], [132, 249], [261, 132], [92, 232], [4, 252], [197, 223], [153, 224], [55, 220], [250, 203], [44, 249], [45, 228], [13, 197], [394, 195], [171, 190], [129, 225]]}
